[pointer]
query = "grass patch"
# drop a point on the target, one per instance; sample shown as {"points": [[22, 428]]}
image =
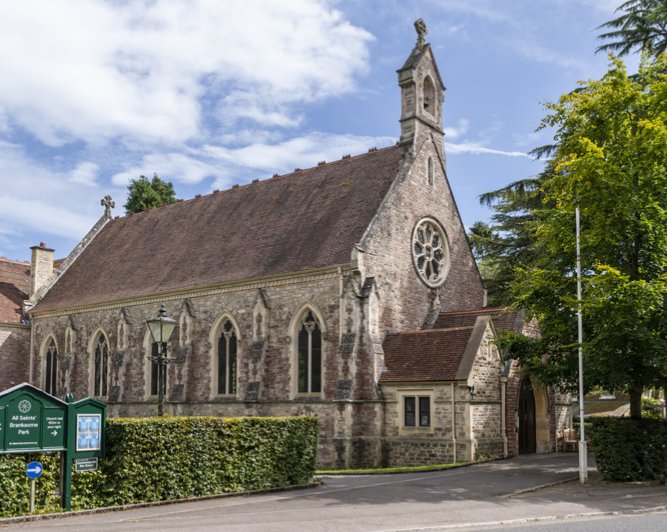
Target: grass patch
{"points": [[386, 470]]}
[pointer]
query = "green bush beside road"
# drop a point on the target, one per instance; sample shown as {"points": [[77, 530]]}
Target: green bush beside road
{"points": [[156, 459], [630, 450]]}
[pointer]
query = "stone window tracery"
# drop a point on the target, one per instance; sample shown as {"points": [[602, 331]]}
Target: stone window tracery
{"points": [[430, 252], [101, 366], [309, 355], [227, 358]]}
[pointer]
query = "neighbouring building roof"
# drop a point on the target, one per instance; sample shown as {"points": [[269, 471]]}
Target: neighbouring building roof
{"points": [[502, 317], [431, 355], [306, 219], [14, 287]]}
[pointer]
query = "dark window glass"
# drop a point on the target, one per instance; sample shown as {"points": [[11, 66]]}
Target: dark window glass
{"points": [[51, 368], [227, 359], [316, 361], [154, 369], [409, 411], [231, 367], [424, 411], [310, 356], [101, 366], [303, 360]]}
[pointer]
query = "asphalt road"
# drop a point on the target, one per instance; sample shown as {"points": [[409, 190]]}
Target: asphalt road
{"points": [[481, 496], [633, 523]]}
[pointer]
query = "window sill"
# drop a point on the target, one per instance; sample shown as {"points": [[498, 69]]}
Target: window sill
{"points": [[317, 396]]}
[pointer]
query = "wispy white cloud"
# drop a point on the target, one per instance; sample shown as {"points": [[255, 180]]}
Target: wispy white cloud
{"points": [[175, 167], [302, 152], [85, 173], [141, 71], [36, 198], [478, 149], [461, 128]]}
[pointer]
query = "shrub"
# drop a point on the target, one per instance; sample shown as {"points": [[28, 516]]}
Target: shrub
{"points": [[630, 450], [154, 459]]}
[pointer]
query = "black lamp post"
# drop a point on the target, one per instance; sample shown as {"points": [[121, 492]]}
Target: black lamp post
{"points": [[161, 329]]}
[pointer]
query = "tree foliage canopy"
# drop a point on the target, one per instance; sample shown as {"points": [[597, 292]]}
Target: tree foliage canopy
{"points": [[642, 27], [608, 157], [144, 194]]}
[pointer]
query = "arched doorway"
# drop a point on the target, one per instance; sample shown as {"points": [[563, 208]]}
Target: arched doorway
{"points": [[527, 439]]}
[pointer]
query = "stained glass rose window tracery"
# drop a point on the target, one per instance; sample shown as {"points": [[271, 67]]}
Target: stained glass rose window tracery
{"points": [[430, 252]]}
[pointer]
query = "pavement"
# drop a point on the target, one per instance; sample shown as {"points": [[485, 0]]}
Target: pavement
{"points": [[527, 489]]}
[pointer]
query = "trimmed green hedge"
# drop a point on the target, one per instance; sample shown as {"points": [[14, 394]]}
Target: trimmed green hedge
{"points": [[154, 459], [630, 450]]}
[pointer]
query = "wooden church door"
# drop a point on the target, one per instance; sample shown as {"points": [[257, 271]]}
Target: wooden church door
{"points": [[527, 439]]}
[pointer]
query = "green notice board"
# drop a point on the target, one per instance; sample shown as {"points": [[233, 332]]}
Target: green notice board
{"points": [[31, 420]]}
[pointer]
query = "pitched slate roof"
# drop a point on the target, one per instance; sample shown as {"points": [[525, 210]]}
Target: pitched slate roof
{"points": [[14, 287], [307, 219], [425, 356], [503, 318]]}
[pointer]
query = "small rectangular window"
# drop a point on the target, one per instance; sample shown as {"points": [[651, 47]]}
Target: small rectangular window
{"points": [[409, 411], [424, 411]]}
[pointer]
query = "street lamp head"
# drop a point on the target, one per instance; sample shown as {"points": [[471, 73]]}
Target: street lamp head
{"points": [[162, 327]]}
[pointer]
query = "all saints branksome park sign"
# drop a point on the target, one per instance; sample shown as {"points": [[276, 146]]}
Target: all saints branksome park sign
{"points": [[33, 421]]}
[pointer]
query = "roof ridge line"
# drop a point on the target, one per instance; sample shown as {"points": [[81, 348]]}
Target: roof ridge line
{"points": [[483, 310], [426, 331], [15, 261], [258, 181]]}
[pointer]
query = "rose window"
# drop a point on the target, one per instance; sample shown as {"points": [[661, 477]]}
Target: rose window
{"points": [[430, 252]]}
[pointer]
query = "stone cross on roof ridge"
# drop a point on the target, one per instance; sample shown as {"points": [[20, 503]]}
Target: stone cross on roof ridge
{"points": [[108, 204], [420, 26]]}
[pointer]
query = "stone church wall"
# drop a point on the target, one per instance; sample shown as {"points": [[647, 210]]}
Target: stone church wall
{"points": [[426, 445], [265, 317], [14, 354], [404, 300], [487, 402]]}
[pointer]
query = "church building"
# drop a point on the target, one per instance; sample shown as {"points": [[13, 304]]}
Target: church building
{"points": [[346, 291]]}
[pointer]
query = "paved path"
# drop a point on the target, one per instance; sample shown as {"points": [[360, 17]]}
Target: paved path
{"points": [[469, 496]]}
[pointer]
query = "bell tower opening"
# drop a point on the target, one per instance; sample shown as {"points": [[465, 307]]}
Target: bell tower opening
{"points": [[429, 96]]}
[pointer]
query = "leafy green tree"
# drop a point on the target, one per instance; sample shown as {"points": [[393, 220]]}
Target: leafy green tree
{"points": [[507, 243], [642, 27], [144, 194], [609, 158]]}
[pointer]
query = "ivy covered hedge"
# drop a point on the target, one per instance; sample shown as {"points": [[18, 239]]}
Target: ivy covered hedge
{"points": [[630, 450], [154, 459]]}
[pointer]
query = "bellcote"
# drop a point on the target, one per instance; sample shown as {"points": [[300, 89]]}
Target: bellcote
{"points": [[422, 91]]}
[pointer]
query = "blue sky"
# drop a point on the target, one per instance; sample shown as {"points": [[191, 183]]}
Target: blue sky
{"points": [[208, 94]]}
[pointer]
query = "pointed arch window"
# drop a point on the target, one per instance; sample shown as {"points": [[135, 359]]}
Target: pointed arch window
{"points": [[227, 359], [101, 366], [310, 355], [51, 370], [430, 171]]}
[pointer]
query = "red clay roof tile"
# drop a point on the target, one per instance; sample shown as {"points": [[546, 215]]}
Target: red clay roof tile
{"points": [[422, 356]]}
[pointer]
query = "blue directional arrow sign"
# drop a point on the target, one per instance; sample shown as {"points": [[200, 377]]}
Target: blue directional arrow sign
{"points": [[34, 470]]}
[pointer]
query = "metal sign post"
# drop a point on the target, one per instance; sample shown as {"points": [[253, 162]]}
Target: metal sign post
{"points": [[33, 470], [583, 451]]}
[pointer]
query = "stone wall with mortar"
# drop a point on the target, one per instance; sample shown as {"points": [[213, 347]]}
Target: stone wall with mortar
{"points": [[267, 320], [427, 445], [14, 354]]}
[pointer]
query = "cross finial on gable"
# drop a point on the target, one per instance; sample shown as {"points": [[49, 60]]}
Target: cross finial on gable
{"points": [[108, 204], [420, 26]]}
